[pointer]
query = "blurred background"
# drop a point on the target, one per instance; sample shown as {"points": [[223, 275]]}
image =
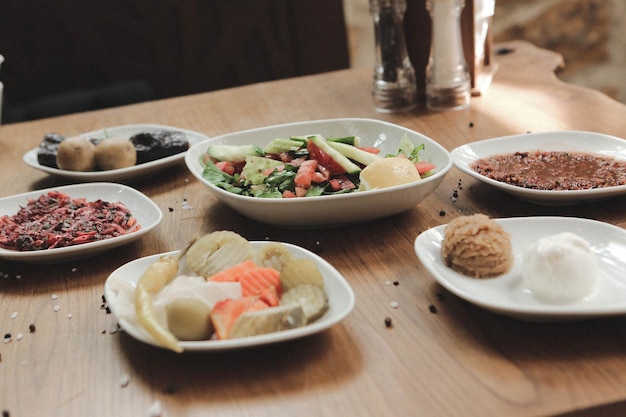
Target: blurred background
{"points": [[67, 56], [590, 34]]}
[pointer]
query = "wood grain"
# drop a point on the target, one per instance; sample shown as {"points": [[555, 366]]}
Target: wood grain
{"points": [[441, 357]]}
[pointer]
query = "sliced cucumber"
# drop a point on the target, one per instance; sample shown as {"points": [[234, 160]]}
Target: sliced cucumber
{"points": [[279, 145], [344, 162], [348, 140], [233, 153], [356, 154], [303, 139]]}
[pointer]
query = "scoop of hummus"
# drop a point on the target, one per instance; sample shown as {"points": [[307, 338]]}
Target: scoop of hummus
{"points": [[477, 246]]}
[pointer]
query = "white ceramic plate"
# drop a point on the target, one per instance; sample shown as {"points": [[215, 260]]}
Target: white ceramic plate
{"points": [[130, 173], [336, 209], [507, 294], [465, 155], [340, 299], [147, 213]]}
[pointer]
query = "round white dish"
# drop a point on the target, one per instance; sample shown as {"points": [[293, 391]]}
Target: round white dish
{"points": [[340, 299], [336, 209], [130, 173], [507, 294], [580, 141], [147, 213]]}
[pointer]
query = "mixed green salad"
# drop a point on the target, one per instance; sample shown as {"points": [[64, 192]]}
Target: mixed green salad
{"points": [[299, 166]]}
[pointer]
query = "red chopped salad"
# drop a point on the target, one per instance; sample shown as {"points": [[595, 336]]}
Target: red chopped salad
{"points": [[299, 166], [55, 220]]}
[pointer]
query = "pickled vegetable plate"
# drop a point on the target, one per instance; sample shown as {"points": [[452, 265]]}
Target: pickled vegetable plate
{"points": [[340, 299], [147, 213], [329, 210], [122, 174]]}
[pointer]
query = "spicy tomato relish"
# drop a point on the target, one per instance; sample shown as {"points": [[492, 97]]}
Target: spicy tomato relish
{"points": [[55, 220]]}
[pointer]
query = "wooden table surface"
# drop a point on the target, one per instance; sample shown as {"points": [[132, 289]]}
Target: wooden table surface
{"points": [[455, 360]]}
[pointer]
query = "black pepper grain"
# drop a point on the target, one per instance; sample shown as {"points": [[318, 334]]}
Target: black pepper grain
{"points": [[5, 413], [471, 124], [7, 335], [396, 283], [31, 328], [432, 309], [171, 209], [388, 322], [442, 213]]}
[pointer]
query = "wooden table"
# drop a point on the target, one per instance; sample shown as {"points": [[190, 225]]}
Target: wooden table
{"points": [[442, 357]]}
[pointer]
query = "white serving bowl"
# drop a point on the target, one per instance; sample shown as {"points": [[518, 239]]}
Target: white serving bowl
{"points": [[333, 210], [572, 141], [147, 213]]}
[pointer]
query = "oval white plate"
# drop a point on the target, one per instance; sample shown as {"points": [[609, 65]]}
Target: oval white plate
{"points": [[335, 209], [507, 294], [147, 213], [134, 172], [340, 300], [465, 155]]}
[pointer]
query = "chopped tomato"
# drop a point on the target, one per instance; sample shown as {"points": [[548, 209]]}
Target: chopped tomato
{"points": [[321, 175], [423, 167], [370, 149], [341, 182], [301, 192], [324, 159], [226, 167], [304, 175], [229, 167], [288, 194]]}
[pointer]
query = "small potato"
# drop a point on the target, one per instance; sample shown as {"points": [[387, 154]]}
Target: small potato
{"points": [[189, 319], [76, 154], [115, 153]]}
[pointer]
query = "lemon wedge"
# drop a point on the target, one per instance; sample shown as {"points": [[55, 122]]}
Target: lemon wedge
{"points": [[388, 172]]}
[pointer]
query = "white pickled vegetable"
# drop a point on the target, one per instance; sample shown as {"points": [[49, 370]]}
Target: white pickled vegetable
{"points": [[217, 251], [301, 271], [273, 255], [189, 319], [268, 320], [310, 297]]}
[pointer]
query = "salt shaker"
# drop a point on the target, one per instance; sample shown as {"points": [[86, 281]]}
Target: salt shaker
{"points": [[447, 74], [394, 87]]}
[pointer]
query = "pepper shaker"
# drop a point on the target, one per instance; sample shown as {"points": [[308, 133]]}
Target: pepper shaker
{"points": [[448, 85], [394, 87]]}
